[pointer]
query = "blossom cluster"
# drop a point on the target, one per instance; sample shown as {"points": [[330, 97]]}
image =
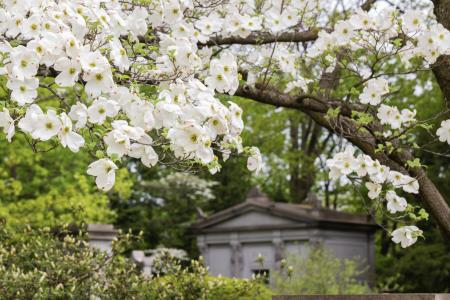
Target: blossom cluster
{"points": [[380, 181], [89, 47]]}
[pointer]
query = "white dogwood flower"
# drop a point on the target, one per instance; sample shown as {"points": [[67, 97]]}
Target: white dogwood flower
{"points": [[444, 132], [69, 138], [98, 83], [32, 116], [143, 150], [104, 171], [25, 63], [117, 142], [7, 123], [191, 139], [79, 113], [395, 203], [373, 91], [48, 126], [406, 236], [100, 109], [254, 161], [70, 69], [374, 189], [23, 91]]}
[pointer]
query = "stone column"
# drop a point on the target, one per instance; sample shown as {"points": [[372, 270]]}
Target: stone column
{"points": [[237, 261], [101, 236], [203, 247], [278, 245], [371, 258]]}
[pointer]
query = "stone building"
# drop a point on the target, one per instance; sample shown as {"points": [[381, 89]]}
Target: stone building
{"points": [[231, 240], [101, 236]]}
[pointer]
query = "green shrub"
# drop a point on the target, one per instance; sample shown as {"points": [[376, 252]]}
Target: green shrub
{"points": [[193, 283], [59, 264], [319, 273]]}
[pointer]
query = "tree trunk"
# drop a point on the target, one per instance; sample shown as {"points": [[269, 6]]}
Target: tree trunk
{"points": [[294, 161], [441, 68], [302, 157]]}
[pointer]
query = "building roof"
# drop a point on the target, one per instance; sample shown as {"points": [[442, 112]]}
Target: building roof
{"points": [[105, 232], [304, 216]]}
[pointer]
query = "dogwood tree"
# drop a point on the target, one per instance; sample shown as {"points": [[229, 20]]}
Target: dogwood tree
{"points": [[141, 78]]}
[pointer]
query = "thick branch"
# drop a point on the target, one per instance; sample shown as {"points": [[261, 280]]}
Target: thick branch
{"points": [[367, 5], [274, 97], [265, 38]]}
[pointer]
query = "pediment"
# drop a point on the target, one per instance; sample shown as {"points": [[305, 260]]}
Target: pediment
{"points": [[254, 218]]}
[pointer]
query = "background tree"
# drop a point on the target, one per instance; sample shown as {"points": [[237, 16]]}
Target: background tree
{"points": [[48, 188]]}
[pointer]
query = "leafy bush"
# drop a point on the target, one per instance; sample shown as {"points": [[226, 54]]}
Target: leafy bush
{"points": [[424, 268], [319, 273], [59, 264], [193, 283]]}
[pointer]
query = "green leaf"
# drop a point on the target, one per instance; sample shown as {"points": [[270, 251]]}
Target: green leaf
{"points": [[414, 163], [332, 113], [423, 215], [99, 154]]}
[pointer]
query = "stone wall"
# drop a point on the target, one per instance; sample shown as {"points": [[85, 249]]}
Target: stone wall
{"points": [[368, 297]]}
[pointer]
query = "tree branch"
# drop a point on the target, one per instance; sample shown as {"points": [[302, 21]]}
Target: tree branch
{"points": [[367, 5], [265, 38], [345, 126]]}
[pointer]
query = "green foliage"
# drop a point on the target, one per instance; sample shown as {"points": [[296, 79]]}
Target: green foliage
{"points": [[234, 182], [424, 268], [165, 209], [319, 273], [333, 113], [75, 204], [414, 163], [42, 264], [268, 129], [264, 129], [45, 264], [194, 283], [361, 118], [48, 188]]}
